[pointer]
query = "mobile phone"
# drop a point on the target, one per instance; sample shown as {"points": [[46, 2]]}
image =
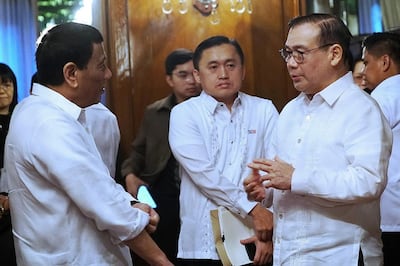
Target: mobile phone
{"points": [[144, 196], [251, 250]]}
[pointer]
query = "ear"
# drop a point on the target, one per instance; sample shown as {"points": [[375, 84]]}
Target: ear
{"points": [[243, 72], [385, 62], [196, 76], [168, 79], [70, 71], [335, 54]]}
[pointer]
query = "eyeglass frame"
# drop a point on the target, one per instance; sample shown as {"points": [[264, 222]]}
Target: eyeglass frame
{"points": [[300, 54]]}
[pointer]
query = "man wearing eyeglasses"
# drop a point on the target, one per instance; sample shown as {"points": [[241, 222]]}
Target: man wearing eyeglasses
{"points": [[332, 146], [151, 162]]}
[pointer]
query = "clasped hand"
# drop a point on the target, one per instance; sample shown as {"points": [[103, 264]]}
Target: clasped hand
{"points": [[154, 217], [278, 175]]}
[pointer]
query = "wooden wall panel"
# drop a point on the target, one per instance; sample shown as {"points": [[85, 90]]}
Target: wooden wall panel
{"points": [[139, 37]]}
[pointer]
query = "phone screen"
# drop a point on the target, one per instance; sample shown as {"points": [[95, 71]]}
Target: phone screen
{"points": [[144, 196]]}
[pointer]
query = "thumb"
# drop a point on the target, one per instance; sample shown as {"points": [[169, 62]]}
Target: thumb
{"points": [[247, 241]]}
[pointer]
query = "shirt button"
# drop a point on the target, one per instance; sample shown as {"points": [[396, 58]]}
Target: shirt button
{"points": [[298, 140], [280, 216]]}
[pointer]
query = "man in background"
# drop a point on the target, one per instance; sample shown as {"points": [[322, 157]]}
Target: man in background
{"points": [[213, 137], [381, 56], [102, 124], [151, 162]]}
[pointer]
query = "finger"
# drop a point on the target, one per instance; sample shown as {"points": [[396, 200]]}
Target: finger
{"points": [[151, 228], [263, 161], [267, 183], [247, 240]]}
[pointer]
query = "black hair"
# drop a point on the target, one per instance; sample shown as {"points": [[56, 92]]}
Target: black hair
{"points": [[6, 74], [67, 42], [215, 41], [382, 43], [332, 30], [177, 57]]}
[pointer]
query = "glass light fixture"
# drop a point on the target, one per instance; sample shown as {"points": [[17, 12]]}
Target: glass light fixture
{"points": [[207, 7], [215, 19], [183, 6], [167, 7]]}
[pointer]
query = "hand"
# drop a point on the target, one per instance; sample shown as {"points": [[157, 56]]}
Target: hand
{"points": [[254, 187], [263, 250], [154, 220], [263, 222], [279, 173], [132, 183], [154, 217], [4, 205]]}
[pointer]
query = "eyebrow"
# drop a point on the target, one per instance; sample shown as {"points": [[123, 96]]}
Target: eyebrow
{"points": [[223, 61], [295, 47]]}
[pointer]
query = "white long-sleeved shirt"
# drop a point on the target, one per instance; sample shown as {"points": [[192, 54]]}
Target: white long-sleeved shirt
{"points": [[339, 144], [103, 126], [66, 209], [213, 147], [387, 94]]}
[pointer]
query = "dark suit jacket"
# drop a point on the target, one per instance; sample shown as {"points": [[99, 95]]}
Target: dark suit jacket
{"points": [[150, 150]]}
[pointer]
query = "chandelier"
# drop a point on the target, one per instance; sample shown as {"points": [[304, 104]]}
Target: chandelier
{"points": [[207, 7]]}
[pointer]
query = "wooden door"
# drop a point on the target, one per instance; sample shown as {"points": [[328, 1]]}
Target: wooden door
{"points": [[139, 37]]}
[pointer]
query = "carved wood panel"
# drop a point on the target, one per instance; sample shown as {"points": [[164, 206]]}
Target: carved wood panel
{"points": [[139, 37]]}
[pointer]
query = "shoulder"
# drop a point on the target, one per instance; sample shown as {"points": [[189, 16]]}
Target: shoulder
{"points": [[258, 103], [164, 103], [189, 104]]}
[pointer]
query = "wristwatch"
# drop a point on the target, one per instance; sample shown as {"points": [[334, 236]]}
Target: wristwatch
{"points": [[133, 202]]}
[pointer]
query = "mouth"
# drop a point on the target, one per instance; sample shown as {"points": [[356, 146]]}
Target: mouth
{"points": [[223, 85], [295, 78]]}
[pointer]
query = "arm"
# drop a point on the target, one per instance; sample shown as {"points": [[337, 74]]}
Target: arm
{"points": [[132, 183], [343, 158], [84, 180], [194, 150], [135, 163], [144, 246]]}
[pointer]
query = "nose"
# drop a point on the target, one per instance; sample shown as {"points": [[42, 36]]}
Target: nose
{"points": [[291, 62], [223, 73], [190, 78]]}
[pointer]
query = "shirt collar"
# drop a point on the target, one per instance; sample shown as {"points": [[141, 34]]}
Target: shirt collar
{"points": [[331, 93], [57, 99], [389, 83], [211, 103]]}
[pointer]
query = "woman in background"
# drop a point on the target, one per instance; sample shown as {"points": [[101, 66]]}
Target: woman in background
{"points": [[8, 100]]}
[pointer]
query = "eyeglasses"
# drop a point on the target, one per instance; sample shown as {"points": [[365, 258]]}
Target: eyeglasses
{"points": [[183, 75], [297, 55]]}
